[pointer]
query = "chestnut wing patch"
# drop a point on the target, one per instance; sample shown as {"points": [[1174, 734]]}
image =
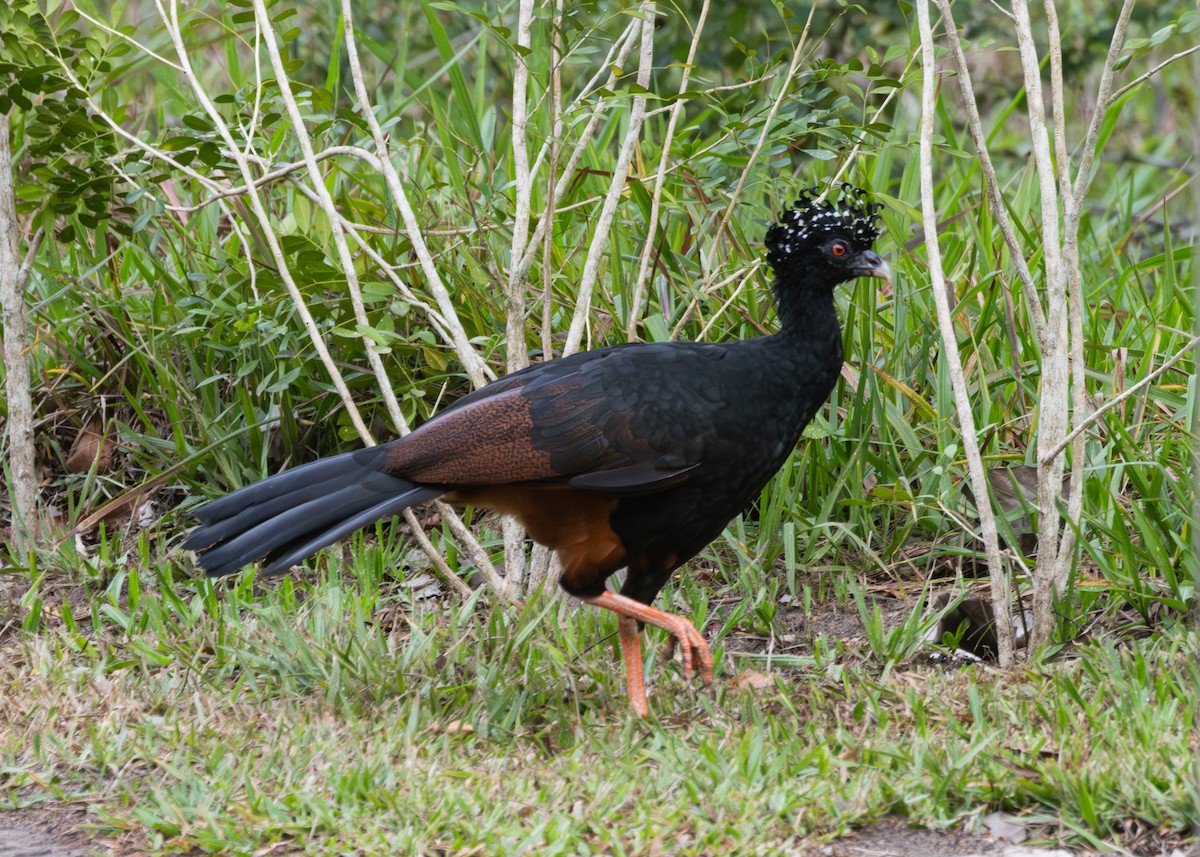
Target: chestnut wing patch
{"points": [[589, 420], [486, 442]]}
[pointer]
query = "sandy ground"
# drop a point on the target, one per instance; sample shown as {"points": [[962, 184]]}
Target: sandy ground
{"points": [[49, 830]]}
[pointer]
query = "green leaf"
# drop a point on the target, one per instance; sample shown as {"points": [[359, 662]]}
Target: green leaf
{"points": [[198, 123]]}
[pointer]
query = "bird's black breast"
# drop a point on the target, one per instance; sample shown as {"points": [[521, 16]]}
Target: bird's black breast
{"points": [[683, 435], [736, 419]]}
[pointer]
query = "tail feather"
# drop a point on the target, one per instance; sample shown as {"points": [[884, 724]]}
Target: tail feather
{"points": [[288, 555], [289, 517], [298, 521], [221, 530], [306, 475]]}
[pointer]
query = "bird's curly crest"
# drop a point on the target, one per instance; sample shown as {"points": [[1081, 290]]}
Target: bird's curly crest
{"points": [[853, 214]]}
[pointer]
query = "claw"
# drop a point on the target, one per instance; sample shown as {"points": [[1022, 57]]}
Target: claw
{"points": [[696, 655]]}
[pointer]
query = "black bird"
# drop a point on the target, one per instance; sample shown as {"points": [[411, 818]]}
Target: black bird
{"points": [[634, 456]]}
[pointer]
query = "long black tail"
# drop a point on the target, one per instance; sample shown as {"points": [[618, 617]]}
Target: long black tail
{"points": [[288, 517]]}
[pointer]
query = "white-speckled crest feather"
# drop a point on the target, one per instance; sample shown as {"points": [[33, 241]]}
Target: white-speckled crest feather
{"points": [[848, 213]]}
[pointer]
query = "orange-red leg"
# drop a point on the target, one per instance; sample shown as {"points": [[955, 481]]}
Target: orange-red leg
{"points": [[635, 679], [696, 655]]}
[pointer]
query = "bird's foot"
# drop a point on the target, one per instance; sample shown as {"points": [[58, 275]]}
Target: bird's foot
{"points": [[697, 657], [696, 654]]}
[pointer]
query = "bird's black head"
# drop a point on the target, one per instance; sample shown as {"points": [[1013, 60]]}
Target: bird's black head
{"points": [[823, 243]]}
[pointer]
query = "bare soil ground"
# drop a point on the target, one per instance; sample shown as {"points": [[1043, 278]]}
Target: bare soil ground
{"points": [[47, 830], [893, 838]]}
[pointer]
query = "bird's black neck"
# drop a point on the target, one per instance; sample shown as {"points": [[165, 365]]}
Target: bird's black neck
{"points": [[805, 308]]}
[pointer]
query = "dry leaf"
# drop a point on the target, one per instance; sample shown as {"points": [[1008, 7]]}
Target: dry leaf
{"points": [[90, 446], [751, 680], [454, 727]]}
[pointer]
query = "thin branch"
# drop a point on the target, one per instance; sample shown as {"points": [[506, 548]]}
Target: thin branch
{"points": [[1079, 413], [1095, 415], [1083, 178], [852, 155], [345, 257], [616, 188], [353, 230], [31, 250], [729, 87], [471, 360], [541, 559], [517, 352], [477, 368], [1000, 587], [1053, 414], [1001, 9], [473, 549], [556, 130], [768, 126], [249, 129], [138, 143], [1058, 110], [1058, 569], [625, 44], [275, 175], [999, 210], [125, 37], [1073, 197], [1194, 411], [618, 53], [171, 23], [710, 289], [643, 275], [445, 572], [729, 301], [1142, 78]]}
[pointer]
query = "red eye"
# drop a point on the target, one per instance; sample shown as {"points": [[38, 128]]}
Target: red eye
{"points": [[838, 249]]}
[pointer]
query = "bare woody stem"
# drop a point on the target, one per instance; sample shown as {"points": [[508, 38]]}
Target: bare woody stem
{"points": [[643, 275], [14, 274], [991, 182], [637, 113], [999, 579], [474, 364]]}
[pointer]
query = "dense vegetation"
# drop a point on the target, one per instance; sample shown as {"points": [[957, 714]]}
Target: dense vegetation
{"points": [[362, 706]]}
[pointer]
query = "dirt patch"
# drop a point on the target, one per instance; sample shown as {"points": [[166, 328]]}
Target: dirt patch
{"points": [[893, 838], [797, 633], [51, 830]]}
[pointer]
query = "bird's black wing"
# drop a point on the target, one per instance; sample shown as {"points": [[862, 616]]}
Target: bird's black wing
{"points": [[623, 420]]}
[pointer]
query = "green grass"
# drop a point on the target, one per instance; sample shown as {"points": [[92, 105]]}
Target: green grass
{"points": [[321, 712], [338, 716]]}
